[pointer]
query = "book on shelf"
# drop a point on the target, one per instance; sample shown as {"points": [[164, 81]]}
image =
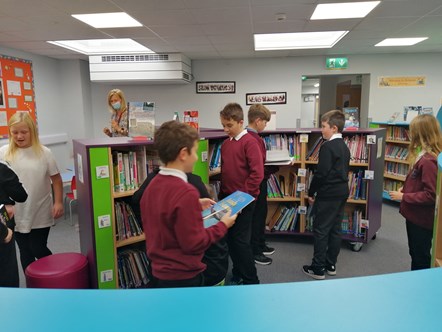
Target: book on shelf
{"points": [[191, 118], [234, 202], [278, 157], [141, 119], [351, 117]]}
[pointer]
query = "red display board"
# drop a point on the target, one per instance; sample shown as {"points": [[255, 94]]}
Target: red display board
{"points": [[16, 90]]}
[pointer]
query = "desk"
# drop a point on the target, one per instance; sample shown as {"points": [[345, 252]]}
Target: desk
{"points": [[407, 301]]}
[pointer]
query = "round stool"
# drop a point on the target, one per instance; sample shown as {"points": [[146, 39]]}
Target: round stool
{"points": [[64, 270]]}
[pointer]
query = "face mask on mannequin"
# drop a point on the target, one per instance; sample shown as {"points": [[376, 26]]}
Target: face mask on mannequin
{"points": [[116, 106]]}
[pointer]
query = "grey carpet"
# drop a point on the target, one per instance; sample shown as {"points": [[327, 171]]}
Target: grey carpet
{"points": [[388, 253]]}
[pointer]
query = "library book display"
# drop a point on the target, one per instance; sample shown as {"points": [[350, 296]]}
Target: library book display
{"points": [[109, 170]]}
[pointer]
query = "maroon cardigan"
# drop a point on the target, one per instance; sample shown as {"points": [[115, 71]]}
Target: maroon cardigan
{"points": [[418, 201]]}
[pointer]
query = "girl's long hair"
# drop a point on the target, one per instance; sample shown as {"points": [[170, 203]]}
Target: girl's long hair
{"points": [[425, 135]]}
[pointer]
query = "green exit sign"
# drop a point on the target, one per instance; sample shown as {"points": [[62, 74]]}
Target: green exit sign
{"points": [[336, 63]]}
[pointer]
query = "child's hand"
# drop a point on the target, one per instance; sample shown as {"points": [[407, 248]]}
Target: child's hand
{"points": [[107, 131], [311, 200], [10, 209], [396, 195], [8, 237], [206, 203], [227, 219], [57, 210]]}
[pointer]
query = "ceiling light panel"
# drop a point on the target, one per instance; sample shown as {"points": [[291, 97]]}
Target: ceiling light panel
{"points": [[108, 20], [102, 46], [331, 11], [297, 40], [401, 41]]}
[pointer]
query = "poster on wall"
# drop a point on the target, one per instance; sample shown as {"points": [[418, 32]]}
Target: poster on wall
{"points": [[16, 90]]}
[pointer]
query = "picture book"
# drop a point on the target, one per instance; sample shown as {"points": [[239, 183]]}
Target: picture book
{"points": [[234, 202], [191, 118], [141, 119], [351, 117]]}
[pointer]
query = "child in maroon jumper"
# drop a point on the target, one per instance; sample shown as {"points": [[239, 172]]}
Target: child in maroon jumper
{"points": [[171, 212], [418, 195], [258, 117], [241, 169]]}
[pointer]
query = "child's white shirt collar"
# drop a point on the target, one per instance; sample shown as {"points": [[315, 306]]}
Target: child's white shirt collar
{"points": [[173, 172], [241, 134], [337, 135]]}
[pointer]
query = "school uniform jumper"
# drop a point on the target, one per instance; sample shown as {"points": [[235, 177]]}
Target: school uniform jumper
{"points": [[330, 183], [11, 190], [417, 207], [175, 235], [242, 169]]}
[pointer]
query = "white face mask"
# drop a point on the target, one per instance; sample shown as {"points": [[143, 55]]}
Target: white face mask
{"points": [[116, 106]]}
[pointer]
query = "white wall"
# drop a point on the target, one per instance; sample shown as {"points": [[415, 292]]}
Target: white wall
{"points": [[68, 103]]}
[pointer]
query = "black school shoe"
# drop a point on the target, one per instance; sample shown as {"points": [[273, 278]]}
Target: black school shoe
{"points": [[268, 250], [262, 259], [331, 270], [314, 273]]}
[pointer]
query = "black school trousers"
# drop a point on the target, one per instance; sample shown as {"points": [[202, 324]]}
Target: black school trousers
{"points": [[327, 221], [259, 220], [240, 250], [419, 246], [8, 265]]}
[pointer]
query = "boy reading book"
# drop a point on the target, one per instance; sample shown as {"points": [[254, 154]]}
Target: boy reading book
{"points": [[171, 212]]}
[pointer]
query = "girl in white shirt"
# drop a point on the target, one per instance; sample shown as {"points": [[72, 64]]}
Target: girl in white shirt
{"points": [[37, 170]]}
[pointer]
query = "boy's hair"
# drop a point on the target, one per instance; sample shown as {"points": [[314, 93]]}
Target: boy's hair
{"points": [[232, 111], [425, 134], [171, 137], [334, 118], [120, 94], [17, 118], [258, 111]]}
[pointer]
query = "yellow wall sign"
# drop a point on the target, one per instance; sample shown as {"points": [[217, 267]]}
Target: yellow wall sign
{"points": [[401, 81]]}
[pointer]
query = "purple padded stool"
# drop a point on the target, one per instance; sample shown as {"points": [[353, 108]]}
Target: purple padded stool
{"points": [[64, 270]]}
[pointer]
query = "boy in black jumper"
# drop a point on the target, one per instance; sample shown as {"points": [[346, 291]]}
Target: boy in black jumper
{"points": [[241, 169], [171, 212], [329, 192]]}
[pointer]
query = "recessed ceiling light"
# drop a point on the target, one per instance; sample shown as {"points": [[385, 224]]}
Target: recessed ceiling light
{"points": [[329, 11], [316, 85], [297, 40], [400, 41], [102, 46], [108, 20]]}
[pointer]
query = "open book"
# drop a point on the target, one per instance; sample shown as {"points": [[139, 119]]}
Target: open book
{"points": [[234, 202]]}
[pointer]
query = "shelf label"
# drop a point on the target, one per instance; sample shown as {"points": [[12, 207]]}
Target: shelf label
{"points": [[106, 276], [369, 175], [102, 172], [104, 221]]}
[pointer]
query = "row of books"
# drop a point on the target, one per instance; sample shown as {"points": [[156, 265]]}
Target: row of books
{"points": [[126, 223], [133, 269], [313, 152], [397, 133], [396, 152], [284, 219], [392, 185], [357, 185], [397, 169], [215, 155], [354, 224], [291, 143], [126, 168], [357, 145]]}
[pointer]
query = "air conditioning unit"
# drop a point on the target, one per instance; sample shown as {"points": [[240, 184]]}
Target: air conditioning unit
{"points": [[170, 68]]}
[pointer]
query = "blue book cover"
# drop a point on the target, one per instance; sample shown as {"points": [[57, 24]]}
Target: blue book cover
{"points": [[234, 202]]}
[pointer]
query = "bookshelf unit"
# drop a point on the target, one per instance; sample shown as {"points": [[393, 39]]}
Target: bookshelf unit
{"points": [[436, 257], [368, 205], [396, 152], [98, 194]]}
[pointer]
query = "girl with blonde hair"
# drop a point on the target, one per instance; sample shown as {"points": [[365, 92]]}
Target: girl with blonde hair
{"points": [[37, 170], [418, 195], [119, 119]]}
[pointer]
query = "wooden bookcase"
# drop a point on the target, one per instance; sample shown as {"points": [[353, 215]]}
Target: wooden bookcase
{"points": [[436, 257], [96, 199], [370, 207], [396, 152]]}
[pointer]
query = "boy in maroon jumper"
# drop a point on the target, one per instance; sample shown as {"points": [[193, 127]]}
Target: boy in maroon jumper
{"points": [[258, 117], [171, 212], [241, 169]]}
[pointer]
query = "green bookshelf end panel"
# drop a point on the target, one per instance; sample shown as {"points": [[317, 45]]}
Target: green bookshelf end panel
{"points": [[102, 207]]}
